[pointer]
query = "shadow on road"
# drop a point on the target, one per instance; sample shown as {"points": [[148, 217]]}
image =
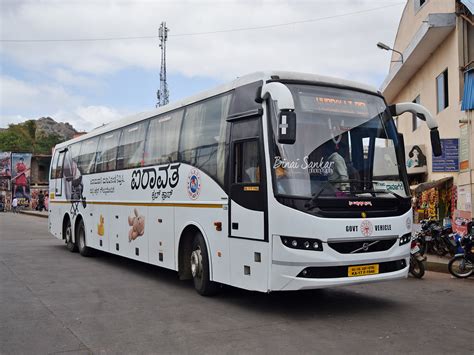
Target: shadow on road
{"points": [[297, 305]]}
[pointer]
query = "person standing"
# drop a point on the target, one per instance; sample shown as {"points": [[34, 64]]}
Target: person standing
{"points": [[41, 201], [15, 204]]}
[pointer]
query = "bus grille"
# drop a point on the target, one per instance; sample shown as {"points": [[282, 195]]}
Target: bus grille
{"points": [[362, 246]]}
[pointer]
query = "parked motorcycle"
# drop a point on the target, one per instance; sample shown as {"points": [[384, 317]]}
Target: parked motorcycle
{"points": [[462, 265], [417, 268]]}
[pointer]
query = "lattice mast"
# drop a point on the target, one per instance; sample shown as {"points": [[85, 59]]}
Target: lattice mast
{"points": [[163, 94]]}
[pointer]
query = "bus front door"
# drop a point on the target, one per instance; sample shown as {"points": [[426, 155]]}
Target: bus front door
{"points": [[247, 185]]}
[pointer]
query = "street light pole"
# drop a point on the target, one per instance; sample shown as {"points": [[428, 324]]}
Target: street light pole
{"points": [[387, 48]]}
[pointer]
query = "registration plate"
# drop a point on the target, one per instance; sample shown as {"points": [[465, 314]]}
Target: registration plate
{"points": [[362, 270], [415, 249]]}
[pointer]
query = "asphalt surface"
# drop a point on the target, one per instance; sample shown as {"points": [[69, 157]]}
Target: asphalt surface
{"points": [[54, 301]]}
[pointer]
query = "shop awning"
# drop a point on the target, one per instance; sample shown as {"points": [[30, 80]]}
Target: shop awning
{"points": [[468, 97], [429, 185]]}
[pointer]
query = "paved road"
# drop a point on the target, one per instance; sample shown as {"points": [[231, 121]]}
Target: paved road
{"points": [[53, 301]]}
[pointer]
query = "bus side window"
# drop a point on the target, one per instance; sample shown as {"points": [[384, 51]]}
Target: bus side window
{"points": [[161, 145], [247, 162], [107, 152], [54, 163], [131, 147], [59, 165]]}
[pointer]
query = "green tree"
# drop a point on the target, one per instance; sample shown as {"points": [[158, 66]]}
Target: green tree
{"points": [[24, 137]]}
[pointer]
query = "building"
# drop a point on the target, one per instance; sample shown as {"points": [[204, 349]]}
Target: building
{"points": [[432, 64]]}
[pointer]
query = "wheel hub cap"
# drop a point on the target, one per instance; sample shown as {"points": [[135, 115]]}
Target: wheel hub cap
{"points": [[196, 263]]}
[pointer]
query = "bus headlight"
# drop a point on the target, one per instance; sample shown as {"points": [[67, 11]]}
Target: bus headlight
{"points": [[302, 243], [406, 238]]}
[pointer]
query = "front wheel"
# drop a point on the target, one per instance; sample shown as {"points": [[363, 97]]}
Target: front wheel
{"points": [[200, 268], [417, 268], [84, 250], [460, 267]]}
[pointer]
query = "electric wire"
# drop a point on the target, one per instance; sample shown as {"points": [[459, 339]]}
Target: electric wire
{"points": [[241, 29]]}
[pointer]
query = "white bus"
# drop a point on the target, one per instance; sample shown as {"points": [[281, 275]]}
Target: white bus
{"points": [[276, 181]]}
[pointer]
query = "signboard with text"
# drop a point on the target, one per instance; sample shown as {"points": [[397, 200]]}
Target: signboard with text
{"points": [[449, 159]]}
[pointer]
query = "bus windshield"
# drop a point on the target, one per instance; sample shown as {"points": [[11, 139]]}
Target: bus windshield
{"points": [[345, 145]]}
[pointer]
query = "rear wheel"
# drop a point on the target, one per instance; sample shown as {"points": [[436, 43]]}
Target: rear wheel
{"points": [[460, 267], [200, 268], [417, 268], [70, 244], [84, 250]]}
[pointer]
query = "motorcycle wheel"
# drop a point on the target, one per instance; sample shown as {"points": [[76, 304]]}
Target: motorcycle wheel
{"points": [[460, 267], [439, 248], [417, 268]]}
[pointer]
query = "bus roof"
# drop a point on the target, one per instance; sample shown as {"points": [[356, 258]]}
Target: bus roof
{"points": [[240, 81]]}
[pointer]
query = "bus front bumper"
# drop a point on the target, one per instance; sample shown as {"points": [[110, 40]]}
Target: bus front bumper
{"points": [[313, 277]]}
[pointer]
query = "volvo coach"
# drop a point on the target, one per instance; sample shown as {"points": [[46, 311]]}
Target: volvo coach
{"points": [[276, 181]]}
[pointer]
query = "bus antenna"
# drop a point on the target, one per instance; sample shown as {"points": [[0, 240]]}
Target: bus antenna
{"points": [[163, 94]]}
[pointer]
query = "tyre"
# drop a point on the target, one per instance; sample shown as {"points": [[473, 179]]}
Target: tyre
{"points": [[439, 248], [70, 244], [422, 244], [84, 250], [200, 268], [417, 268], [460, 267]]}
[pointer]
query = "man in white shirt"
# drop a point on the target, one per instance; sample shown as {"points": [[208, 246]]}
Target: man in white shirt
{"points": [[15, 204]]}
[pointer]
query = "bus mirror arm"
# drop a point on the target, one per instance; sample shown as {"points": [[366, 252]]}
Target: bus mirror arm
{"points": [[286, 109], [425, 115]]}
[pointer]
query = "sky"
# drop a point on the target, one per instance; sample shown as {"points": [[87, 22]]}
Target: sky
{"points": [[45, 71]]}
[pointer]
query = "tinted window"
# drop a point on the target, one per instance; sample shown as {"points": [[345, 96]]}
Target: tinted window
{"points": [[131, 147], [86, 159], [203, 136], [442, 94], [107, 152], [54, 162], [162, 138], [59, 166], [246, 158]]}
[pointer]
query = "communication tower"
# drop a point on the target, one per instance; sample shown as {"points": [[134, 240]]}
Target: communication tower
{"points": [[163, 94]]}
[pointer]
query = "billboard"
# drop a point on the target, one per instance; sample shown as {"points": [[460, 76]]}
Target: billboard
{"points": [[21, 167], [415, 157], [5, 165]]}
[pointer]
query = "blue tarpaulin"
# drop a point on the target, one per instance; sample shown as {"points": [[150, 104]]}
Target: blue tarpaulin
{"points": [[469, 4], [468, 97]]}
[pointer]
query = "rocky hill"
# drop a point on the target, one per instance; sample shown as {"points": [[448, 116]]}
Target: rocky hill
{"points": [[46, 125]]}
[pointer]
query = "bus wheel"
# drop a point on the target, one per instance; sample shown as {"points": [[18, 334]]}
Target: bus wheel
{"points": [[81, 240], [200, 268], [70, 245]]}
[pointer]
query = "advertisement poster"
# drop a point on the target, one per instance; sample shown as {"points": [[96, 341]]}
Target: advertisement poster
{"points": [[416, 159], [5, 164], [464, 147], [21, 168]]}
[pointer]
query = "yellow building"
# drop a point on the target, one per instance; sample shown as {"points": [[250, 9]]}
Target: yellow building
{"points": [[433, 53]]}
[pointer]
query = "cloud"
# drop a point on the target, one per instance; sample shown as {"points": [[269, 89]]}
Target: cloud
{"points": [[51, 100], [75, 75], [333, 46]]}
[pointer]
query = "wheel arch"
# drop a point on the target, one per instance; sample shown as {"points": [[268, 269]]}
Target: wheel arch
{"points": [[186, 236]]}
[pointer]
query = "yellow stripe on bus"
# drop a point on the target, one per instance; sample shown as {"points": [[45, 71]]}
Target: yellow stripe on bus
{"points": [[195, 205]]}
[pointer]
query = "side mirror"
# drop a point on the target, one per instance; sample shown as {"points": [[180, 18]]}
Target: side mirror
{"points": [[435, 142], [287, 127], [421, 112]]}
